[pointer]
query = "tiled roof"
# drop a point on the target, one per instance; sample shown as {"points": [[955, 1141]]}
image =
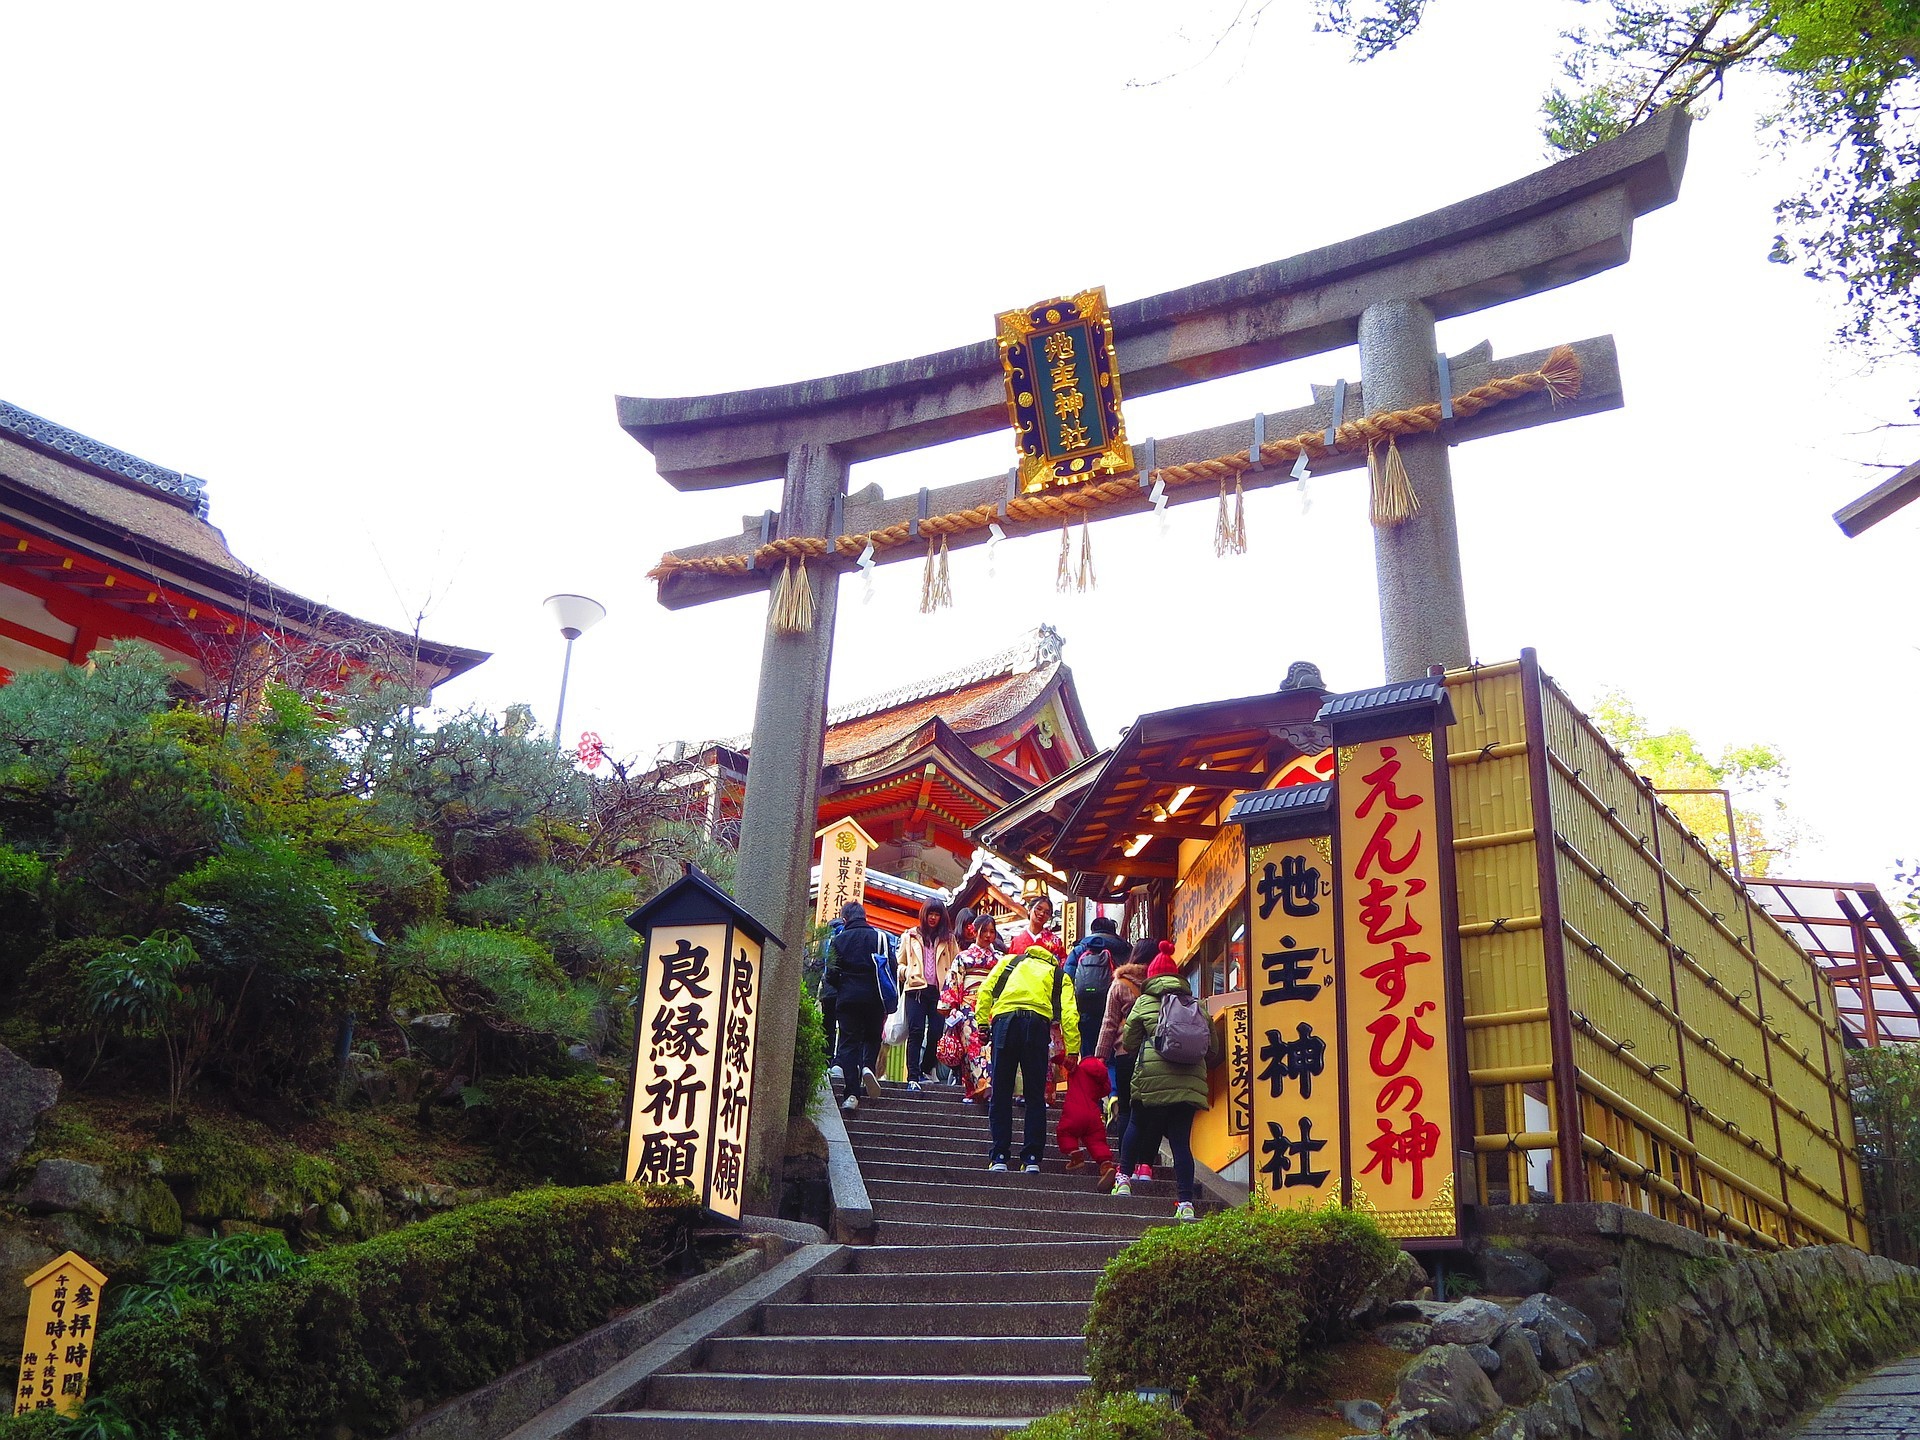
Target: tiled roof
{"points": [[978, 706], [1038, 650], [1425, 690], [41, 434], [1258, 803]]}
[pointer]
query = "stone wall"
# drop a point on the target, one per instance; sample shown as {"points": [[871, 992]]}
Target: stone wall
{"points": [[1631, 1327]]}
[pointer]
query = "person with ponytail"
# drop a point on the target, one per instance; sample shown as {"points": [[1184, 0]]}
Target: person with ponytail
{"points": [[1128, 982]]}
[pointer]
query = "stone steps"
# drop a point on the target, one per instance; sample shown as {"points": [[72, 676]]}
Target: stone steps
{"points": [[979, 1396], [1005, 1315], [1083, 1252], [958, 1286], [897, 1356], [1084, 1219], [695, 1425]]}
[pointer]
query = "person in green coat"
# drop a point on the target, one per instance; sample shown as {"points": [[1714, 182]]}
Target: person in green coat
{"points": [[1165, 1096]]}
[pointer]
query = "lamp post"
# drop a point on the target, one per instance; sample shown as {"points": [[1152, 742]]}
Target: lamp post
{"points": [[575, 615]]}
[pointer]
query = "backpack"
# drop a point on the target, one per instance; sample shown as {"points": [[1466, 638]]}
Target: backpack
{"points": [[1007, 974], [1093, 972], [1183, 1034]]}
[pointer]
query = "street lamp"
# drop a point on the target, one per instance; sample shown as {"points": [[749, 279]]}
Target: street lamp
{"points": [[575, 615]]}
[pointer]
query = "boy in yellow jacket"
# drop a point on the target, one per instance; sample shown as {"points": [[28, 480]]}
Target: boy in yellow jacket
{"points": [[1022, 1001]]}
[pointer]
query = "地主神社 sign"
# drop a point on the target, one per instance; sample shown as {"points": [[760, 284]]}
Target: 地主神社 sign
{"points": [[63, 1311], [844, 848], [1358, 1063], [1063, 391], [695, 1026]]}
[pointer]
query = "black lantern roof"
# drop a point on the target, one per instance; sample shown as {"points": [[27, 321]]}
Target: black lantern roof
{"points": [[694, 899]]}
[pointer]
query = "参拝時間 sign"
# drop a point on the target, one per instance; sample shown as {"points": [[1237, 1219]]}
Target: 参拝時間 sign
{"points": [[1063, 391], [694, 1030], [63, 1312], [1396, 952]]}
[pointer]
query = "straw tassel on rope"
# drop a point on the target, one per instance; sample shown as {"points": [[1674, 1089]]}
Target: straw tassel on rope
{"points": [[1394, 502], [936, 590], [792, 601], [1239, 517], [1223, 524], [1063, 581], [1085, 580]]}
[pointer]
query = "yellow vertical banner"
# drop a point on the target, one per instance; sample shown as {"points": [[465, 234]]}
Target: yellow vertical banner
{"points": [[1293, 1002], [844, 847], [733, 1094], [1398, 1009], [676, 1039], [63, 1310], [1239, 1072]]}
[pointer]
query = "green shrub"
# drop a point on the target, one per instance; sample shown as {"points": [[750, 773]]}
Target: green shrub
{"points": [[419, 1314], [561, 1129], [34, 1425], [1109, 1417], [809, 1055], [201, 1270], [1221, 1311]]}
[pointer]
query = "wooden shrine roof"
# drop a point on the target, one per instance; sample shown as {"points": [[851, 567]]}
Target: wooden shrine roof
{"points": [[81, 497], [1211, 751]]}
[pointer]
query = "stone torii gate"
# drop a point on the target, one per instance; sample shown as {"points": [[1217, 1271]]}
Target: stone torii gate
{"points": [[1384, 290]]}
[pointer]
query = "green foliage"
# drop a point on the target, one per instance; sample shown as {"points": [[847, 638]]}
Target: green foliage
{"points": [[809, 1055], [579, 915], [140, 992], [1110, 1417], [415, 1315], [1755, 774], [398, 880], [497, 982], [36, 1425], [201, 1270], [1845, 79], [565, 1129], [1886, 1118], [1223, 1310]]}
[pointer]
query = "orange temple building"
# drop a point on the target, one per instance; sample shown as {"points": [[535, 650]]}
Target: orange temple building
{"points": [[98, 545]]}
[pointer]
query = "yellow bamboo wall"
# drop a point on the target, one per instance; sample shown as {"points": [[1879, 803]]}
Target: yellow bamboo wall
{"points": [[1705, 1052]]}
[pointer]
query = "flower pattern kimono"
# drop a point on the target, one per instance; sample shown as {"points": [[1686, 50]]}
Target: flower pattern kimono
{"points": [[976, 962]]}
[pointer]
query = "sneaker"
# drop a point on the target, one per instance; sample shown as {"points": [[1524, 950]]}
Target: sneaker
{"points": [[1077, 1160], [870, 1083], [1107, 1174], [1120, 1186], [1143, 1172], [914, 1086], [836, 1074], [997, 1167], [850, 1104], [1184, 1211], [1032, 1167]]}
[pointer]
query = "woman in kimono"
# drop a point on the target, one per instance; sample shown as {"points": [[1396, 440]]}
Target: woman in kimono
{"points": [[961, 1047]]}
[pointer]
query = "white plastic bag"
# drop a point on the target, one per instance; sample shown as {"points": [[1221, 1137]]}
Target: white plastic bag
{"points": [[894, 1032]]}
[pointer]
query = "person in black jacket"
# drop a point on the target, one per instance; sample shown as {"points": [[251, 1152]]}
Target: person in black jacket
{"points": [[861, 979], [1090, 968]]}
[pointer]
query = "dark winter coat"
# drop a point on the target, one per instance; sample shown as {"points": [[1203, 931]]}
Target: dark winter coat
{"points": [[853, 965]]}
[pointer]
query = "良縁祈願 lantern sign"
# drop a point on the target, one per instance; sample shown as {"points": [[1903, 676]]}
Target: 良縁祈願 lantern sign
{"points": [[1063, 391], [694, 1029]]}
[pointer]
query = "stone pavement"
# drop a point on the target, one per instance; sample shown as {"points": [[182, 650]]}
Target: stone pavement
{"points": [[1884, 1406]]}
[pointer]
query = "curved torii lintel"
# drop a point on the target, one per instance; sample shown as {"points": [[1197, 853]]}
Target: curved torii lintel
{"points": [[1551, 228]]}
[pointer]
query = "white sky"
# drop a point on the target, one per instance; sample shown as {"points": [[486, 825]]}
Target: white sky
{"points": [[378, 271]]}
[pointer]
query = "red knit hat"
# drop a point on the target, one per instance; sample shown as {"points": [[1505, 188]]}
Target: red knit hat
{"points": [[1163, 963]]}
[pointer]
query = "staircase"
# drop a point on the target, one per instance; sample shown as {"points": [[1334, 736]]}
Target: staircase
{"points": [[962, 1320]]}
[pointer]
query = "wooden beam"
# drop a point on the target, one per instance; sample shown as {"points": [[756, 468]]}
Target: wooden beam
{"points": [[1600, 390], [1179, 830], [1858, 516], [1136, 870], [1214, 779]]}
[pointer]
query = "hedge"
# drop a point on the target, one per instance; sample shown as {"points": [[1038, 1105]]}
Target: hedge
{"points": [[362, 1335], [1109, 1417], [1221, 1311]]}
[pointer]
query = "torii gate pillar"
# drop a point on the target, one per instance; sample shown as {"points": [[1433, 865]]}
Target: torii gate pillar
{"points": [[1423, 601], [782, 806]]}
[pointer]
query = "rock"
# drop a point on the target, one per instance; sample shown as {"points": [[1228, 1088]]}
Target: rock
{"points": [[1561, 1335], [1602, 1298], [1519, 1377], [1486, 1357], [336, 1218], [111, 1247], [1505, 1270], [1406, 1279], [1468, 1322], [1511, 1428], [70, 1185], [1409, 1336], [26, 1093], [368, 1077], [23, 1250], [439, 1197], [1424, 1311], [581, 1054], [1409, 1425], [1363, 1415], [1453, 1390]]}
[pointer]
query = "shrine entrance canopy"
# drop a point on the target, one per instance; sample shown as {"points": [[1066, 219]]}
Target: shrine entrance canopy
{"points": [[1562, 224]]}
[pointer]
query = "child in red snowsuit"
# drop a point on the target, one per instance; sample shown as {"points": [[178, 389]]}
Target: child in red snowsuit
{"points": [[1083, 1130]]}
